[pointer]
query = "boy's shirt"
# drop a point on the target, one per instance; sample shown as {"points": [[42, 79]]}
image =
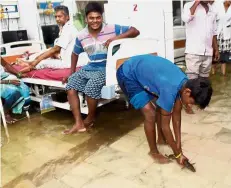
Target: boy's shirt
{"points": [[158, 76], [94, 47]]}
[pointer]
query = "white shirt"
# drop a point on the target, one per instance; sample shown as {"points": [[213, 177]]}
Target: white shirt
{"points": [[200, 29], [66, 41], [223, 19]]}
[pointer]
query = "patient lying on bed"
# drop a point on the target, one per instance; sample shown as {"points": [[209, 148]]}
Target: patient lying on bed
{"points": [[59, 56]]}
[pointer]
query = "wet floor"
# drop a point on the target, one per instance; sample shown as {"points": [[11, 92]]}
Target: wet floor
{"points": [[38, 152]]}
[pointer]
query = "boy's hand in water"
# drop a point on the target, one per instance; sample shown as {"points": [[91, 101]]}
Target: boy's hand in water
{"points": [[181, 159]]}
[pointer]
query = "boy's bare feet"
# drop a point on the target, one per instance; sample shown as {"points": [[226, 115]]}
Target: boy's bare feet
{"points": [[75, 129], [9, 119], [159, 158], [89, 122]]}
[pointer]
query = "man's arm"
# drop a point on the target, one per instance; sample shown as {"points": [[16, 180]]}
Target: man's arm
{"points": [[194, 7], [132, 32], [176, 121], [188, 13], [78, 48], [165, 123], [215, 43], [74, 60], [45, 55], [215, 48]]}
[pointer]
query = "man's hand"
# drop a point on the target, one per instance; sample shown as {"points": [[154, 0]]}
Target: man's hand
{"points": [[181, 159], [27, 69], [14, 82], [22, 62], [107, 43], [33, 64], [65, 79], [23, 75], [216, 55]]}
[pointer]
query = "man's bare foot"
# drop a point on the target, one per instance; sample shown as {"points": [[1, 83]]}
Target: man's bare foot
{"points": [[75, 129], [89, 122], [159, 158], [161, 142], [9, 119]]}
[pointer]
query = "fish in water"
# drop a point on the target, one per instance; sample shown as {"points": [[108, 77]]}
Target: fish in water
{"points": [[186, 162]]}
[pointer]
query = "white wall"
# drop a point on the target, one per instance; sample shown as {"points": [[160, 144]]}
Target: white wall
{"points": [[29, 18], [152, 18], [72, 8], [154, 21]]}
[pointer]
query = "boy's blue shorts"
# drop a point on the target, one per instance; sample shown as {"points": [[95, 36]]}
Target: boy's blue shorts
{"points": [[136, 94]]}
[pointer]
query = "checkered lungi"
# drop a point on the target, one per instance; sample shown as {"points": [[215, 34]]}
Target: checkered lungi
{"points": [[88, 82]]}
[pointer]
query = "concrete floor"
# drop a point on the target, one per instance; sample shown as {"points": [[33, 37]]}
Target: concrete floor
{"points": [[114, 152]]}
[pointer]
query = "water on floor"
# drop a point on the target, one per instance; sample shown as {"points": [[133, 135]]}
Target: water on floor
{"points": [[38, 151]]}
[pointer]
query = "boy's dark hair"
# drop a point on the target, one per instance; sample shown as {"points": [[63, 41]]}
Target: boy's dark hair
{"points": [[201, 91], [62, 8], [93, 7]]}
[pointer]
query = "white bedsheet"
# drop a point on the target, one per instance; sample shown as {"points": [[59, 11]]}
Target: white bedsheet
{"points": [[57, 63]]}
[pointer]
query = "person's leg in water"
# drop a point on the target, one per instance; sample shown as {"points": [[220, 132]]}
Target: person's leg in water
{"points": [[223, 68], [92, 90], [92, 105], [150, 130], [74, 102], [8, 104], [214, 67], [160, 139]]}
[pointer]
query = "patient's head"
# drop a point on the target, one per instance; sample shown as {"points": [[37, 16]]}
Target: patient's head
{"points": [[94, 18], [61, 15]]}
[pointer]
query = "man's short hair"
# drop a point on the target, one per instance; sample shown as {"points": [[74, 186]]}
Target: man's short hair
{"points": [[93, 7], [62, 8], [201, 91]]}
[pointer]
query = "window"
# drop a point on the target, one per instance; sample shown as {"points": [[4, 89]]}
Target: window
{"points": [[176, 5], [177, 10]]}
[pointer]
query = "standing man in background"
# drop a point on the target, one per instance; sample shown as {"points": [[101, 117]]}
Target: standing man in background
{"points": [[201, 38]]}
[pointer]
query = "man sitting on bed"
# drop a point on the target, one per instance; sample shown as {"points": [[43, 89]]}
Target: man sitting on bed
{"points": [[59, 56], [94, 40]]}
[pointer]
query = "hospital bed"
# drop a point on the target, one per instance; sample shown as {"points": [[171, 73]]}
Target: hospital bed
{"points": [[117, 50]]}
